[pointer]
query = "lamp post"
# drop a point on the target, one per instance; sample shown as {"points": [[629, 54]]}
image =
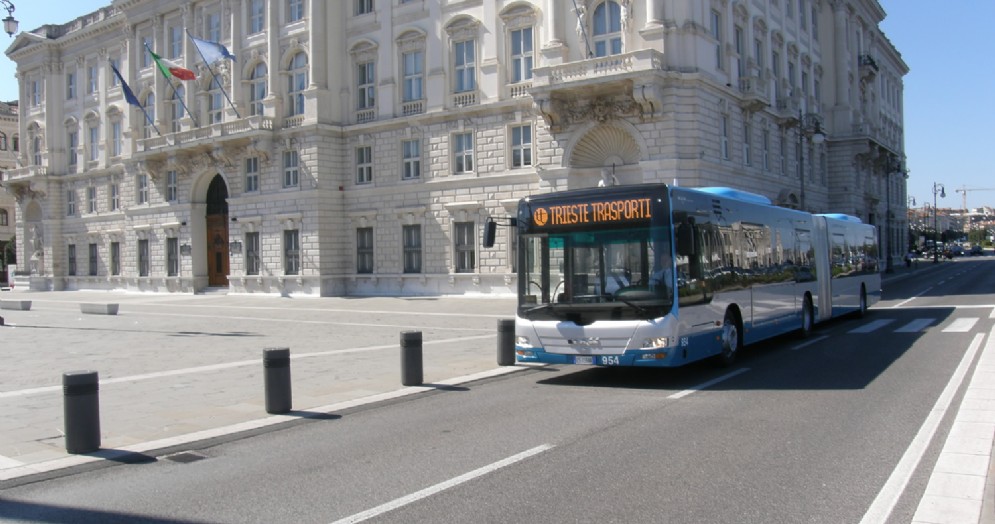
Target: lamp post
{"points": [[910, 210], [942, 191], [809, 127], [9, 23]]}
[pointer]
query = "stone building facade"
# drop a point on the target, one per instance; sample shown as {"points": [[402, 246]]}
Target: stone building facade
{"points": [[358, 147], [8, 208]]}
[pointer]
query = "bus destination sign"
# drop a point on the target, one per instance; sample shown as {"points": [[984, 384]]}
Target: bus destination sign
{"points": [[593, 213]]}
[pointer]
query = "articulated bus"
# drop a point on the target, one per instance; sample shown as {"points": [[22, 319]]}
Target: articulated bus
{"points": [[651, 275]]}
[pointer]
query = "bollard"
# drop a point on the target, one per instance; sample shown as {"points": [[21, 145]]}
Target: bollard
{"points": [[506, 342], [276, 366], [82, 411], [411, 364]]}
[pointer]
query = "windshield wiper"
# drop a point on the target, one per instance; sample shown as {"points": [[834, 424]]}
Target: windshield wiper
{"points": [[528, 312], [642, 310]]}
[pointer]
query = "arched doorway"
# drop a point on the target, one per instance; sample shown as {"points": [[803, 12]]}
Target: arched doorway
{"points": [[217, 233]]}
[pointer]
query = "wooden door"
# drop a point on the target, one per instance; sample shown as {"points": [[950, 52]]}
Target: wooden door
{"points": [[217, 250]]}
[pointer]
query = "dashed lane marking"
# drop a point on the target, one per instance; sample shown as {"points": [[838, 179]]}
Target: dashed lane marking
{"points": [[961, 325], [915, 326]]}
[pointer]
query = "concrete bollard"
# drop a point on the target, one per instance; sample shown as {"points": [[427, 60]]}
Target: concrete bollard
{"points": [[82, 411], [411, 361], [506, 342], [276, 366]]}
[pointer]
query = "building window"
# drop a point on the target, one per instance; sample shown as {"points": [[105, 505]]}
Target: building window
{"points": [[521, 146], [608, 29], [365, 79], [4, 218], [463, 245], [724, 139], [463, 152], [115, 200], [364, 7], [70, 203], [36, 150], [758, 54], [291, 252], [251, 174], [175, 41], [115, 139], [116, 63], [737, 38], [215, 104], [364, 250], [172, 186], [213, 27], [35, 93], [177, 109], [257, 89], [411, 238], [172, 257], [783, 148], [141, 189], [298, 80], [3, 141], [252, 253], [364, 165], [257, 16], [146, 57], [295, 10], [413, 76], [70, 85], [464, 66], [91, 200], [716, 32], [94, 142], [521, 55], [72, 144], [747, 142], [766, 151], [143, 257], [150, 110], [91, 79], [291, 175], [71, 252], [94, 260], [411, 159], [115, 258]]}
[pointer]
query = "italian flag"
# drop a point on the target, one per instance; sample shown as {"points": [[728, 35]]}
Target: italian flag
{"points": [[170, 69]]}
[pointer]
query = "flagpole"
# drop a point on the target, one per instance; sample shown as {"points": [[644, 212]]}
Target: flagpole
{"points": [[215, 77], [182, 103]]}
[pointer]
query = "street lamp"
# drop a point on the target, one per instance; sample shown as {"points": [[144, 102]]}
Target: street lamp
{"points": [[9, 23], [937, 188], [809, 127]]}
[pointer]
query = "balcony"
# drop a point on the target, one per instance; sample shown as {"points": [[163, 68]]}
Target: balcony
{"points": [[622, 84], [463, 99], [25, 174], [26, 181], [219, 133], [754, 93], [413, 107], [366, 115], [868, 68]]}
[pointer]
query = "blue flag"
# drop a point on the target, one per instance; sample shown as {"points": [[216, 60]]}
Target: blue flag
{"points": [[129, 95], [211, 51]]}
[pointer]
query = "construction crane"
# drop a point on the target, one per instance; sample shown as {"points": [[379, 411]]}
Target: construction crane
{"points": [[964, 190]]}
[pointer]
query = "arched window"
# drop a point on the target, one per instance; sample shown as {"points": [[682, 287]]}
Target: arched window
{"points": [[36, 150], [16, 143], [608, 29], [297, 83], [3, 141], [176, 111], [257, 89], [4, 219]]}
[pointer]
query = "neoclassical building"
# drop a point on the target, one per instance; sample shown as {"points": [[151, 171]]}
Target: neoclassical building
{"points": [[357, 147], [8, 160]]}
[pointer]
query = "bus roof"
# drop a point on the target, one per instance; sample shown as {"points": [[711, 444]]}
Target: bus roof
{"points": [[728, 192], [842, 216]]}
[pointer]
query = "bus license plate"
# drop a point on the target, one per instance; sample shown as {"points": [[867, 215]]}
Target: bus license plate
{"points": [[583, 360]]}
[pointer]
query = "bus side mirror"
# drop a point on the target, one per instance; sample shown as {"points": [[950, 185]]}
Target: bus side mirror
{"points": [[490, 231], [685, 240]]}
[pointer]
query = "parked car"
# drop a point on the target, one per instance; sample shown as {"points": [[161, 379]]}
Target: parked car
{"points": [[977, 250]]}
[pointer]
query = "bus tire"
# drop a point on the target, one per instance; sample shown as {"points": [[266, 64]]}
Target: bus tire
{"points": [[862, 311], [808, 316], [732, 338]]}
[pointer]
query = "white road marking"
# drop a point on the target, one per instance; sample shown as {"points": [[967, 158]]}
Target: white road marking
{"points": [[227, 365], [442, 486], [915, 326], [810, 342], [708, 384], [884, 503], [961, 325], [992, 314], [872, 325]]}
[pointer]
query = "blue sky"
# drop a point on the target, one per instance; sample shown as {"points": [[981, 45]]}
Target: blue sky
{"points": [[949, 92]]}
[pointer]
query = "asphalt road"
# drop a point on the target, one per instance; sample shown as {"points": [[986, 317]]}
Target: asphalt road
{"points": [[797, 431]]}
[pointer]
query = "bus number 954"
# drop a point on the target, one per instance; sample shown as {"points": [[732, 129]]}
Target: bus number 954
{"points": [[609, 360]]}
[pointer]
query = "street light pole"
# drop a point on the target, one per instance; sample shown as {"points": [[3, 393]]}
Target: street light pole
{"points": [[808, 127], [937, 188], [9, 23]]}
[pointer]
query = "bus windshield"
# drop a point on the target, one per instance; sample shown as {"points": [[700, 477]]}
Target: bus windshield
{"points": [[603, 274]]}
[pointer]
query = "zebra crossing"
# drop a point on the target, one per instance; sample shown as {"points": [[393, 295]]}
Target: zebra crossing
{"points": [[917, 325]]}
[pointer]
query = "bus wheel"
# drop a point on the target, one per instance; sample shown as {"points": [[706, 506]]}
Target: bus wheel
{"points": [[862, 312], [808, 317], [732, 339]]}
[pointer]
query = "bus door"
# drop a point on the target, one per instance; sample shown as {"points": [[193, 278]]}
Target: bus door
{"points": [[823, 298]]}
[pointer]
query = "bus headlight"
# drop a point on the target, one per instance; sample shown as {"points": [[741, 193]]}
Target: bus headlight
{"points": [[655, 342], [523, 341]]}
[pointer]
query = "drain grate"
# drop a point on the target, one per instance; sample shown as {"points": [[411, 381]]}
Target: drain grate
{"points": [[185, 457]]}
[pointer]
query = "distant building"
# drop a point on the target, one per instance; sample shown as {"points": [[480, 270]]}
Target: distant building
{"points": [[369, 140], [8, 207]]}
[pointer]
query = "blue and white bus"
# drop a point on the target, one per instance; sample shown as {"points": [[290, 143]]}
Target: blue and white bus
{"points": [[651, 275]]}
